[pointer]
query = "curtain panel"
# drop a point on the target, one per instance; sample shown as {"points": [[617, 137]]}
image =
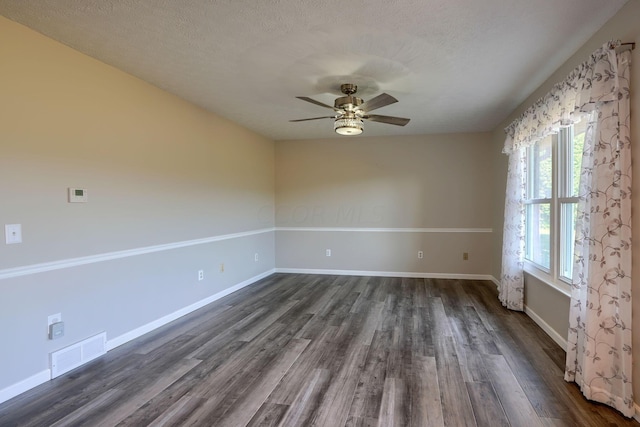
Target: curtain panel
{"points": [[599, 344], [599, 341], [593, 82], [511, 287]]}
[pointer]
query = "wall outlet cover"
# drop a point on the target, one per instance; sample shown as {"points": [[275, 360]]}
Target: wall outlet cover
{"points": [[13, 233]]}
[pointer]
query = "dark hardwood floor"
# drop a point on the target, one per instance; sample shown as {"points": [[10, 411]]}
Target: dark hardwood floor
{"points": [[305, 350]]}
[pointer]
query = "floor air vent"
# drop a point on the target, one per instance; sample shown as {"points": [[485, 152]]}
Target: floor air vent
{"points": [[78, 354]]}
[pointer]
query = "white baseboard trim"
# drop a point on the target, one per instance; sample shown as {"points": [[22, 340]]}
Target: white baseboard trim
{"points": [[636, 416], [545, 327], [495, 281], [417, 275], [44, 376], [25, 385], [138, 332]]}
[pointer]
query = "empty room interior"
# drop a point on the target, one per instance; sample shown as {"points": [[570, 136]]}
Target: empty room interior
{"points": [[203, 224]]}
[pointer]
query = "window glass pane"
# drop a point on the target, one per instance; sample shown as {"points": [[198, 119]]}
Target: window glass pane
{"points": [[541, 173], [568, 213], [579, 130], [538, 234]]}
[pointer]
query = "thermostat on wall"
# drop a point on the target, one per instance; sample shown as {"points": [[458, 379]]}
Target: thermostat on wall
{"points": [[78, 195]]}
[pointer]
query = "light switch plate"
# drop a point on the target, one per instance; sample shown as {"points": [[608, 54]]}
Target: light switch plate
{"points": [[13, 233]]}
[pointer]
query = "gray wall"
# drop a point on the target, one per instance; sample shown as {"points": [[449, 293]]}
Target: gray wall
{"points": [[165, 181], [394, 196]]}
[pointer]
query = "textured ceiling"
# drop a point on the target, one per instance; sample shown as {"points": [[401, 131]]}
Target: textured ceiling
{"points": [[454, 65]]}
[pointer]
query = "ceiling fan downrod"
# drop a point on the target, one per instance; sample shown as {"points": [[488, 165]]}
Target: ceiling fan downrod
{"points": [[349, 102]]}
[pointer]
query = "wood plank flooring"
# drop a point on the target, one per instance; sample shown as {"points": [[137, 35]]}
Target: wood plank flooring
{"points": [[308, 350]]}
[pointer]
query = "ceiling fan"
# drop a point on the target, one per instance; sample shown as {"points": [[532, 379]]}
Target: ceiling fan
{"points": [[351, 110]]}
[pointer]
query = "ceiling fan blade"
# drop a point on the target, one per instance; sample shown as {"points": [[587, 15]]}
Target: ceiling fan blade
{"points": [[313, 101], [313, 118], [398, 121], [377, 102]]}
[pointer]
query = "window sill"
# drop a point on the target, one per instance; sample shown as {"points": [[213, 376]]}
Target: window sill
{"points": [[547, 279]]}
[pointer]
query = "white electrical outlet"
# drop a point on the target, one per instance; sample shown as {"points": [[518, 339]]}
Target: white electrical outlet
{"points": [[255, 257], [420, 254], [13, 233], [200, 274], [328, 252], [54, 318]]}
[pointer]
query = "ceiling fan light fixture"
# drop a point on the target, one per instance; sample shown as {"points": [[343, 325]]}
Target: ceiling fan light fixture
{"points": [[348, 126], [350, 111]]}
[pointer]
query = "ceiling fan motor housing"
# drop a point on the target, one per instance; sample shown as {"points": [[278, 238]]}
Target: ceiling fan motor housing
{"points": [[347, 103]]}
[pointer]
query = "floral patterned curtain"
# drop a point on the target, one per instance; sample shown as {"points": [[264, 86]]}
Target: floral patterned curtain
{"points": [[511, 288], [599, 344]]}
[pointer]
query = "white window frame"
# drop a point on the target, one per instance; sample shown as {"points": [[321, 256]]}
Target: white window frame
{"points": [[559, 249]]}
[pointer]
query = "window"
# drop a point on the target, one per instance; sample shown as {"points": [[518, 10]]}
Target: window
{"points": [[539, 196], [553, 180]]}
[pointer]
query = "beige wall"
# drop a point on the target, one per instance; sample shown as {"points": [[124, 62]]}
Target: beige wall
{"points": [[544, 300], [158, 170], [440, 182]]}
